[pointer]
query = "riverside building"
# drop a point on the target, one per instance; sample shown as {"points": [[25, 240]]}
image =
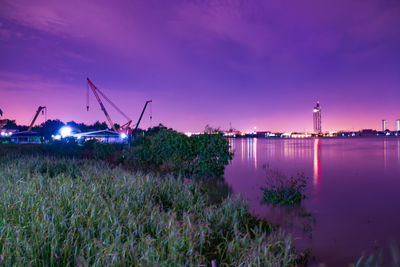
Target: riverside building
{"points": [[384, 125], [317, 118]]}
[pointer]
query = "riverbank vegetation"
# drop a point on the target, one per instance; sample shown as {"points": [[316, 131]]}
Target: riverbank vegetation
{"points": [[159, 150], [99, 204], [57, 211], [283, 190]]}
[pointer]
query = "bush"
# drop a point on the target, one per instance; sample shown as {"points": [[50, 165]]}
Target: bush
{"points": [[283, 190], [164, 150], [210, 155]]}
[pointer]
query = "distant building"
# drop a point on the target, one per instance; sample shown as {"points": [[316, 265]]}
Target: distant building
{"points": [[26, 137], [317, 118], [384, 125], [398, 125], [368, 132], [104, 136]]}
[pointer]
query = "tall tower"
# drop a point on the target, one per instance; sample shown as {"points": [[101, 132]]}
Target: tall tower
{"points": [[384, 125], [317, 118], [398, 125]]}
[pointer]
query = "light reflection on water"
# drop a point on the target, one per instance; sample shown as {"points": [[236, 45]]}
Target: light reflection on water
{"points": [[353, 190]]}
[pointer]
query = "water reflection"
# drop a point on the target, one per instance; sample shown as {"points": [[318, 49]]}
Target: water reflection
{"points": [[384, 152], [251, 150], [355, 206], [232, 145], [317, 164], [242, 145], [398, 150]]}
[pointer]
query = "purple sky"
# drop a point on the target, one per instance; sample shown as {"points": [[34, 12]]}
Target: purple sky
{"points": [[252, 63]]}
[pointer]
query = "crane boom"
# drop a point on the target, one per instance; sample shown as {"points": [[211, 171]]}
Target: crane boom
{"points": [[94, 90], [141, 115], [40, 108]]}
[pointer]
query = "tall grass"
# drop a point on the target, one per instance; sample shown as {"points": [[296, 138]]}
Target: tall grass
{"points": [[81, 212]]}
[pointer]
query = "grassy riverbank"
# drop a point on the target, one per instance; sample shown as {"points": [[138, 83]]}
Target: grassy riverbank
{"points": [[67, 212]]}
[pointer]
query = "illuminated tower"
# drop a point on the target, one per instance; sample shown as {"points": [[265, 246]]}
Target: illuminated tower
{"points": [[317, 118], [384, 125], [398, 125]]}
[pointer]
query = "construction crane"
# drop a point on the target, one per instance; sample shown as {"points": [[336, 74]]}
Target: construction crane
{"points": [[2, 122], [141, 115], [96, 91], [40, 109], [125, 128]]}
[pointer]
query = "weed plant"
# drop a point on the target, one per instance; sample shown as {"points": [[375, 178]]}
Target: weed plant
{"points": [[283, 190], [65, 212]]}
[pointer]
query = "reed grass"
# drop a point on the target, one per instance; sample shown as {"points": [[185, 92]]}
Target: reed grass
{"points": [[82, 212]]}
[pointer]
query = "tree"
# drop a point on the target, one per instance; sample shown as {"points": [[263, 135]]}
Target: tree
{"points": [[98, 126], [50, 127]]}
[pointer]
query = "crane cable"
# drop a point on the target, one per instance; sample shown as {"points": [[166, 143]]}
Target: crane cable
{"points": [[87, 96], [106, 98], [112, 104], [151, 114]]}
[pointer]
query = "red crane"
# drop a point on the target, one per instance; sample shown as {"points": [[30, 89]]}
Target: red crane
{"points": [[40, 109], [125, 128], [96, 91], [2, 122]]}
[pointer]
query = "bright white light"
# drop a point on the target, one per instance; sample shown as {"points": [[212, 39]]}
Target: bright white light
{"points": [[10, 133], [65, 131], [3, 133], [123, 135], [79, 137], [57, 137]]}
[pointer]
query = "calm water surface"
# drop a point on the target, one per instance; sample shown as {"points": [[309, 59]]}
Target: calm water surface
{"points": [[353, 192]]}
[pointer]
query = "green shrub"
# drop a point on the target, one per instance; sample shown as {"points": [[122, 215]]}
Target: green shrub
{"points": [[160, 150], [210, 155], [164, 150], [284, 190]]}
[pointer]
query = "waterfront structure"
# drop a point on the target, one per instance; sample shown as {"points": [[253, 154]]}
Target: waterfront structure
{"points": [[384, 125], [317, 118], [26, 137], [103, 136], [398, 125]]}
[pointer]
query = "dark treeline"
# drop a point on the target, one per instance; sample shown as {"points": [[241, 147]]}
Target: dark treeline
{"points": [[51, 127]]}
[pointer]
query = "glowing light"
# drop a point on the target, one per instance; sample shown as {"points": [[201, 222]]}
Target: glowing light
{"points": [[123, 135], [57, 137], [3, 133], [65, 131]]}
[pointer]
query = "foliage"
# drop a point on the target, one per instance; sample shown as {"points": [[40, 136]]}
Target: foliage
{"points": [[164, 150], [211, 155], [284, 190], [160, 150], [382, 257], [50, 127], [51, 215]]}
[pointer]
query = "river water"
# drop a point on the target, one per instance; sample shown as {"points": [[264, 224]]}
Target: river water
{"points": [[353, 192]]}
